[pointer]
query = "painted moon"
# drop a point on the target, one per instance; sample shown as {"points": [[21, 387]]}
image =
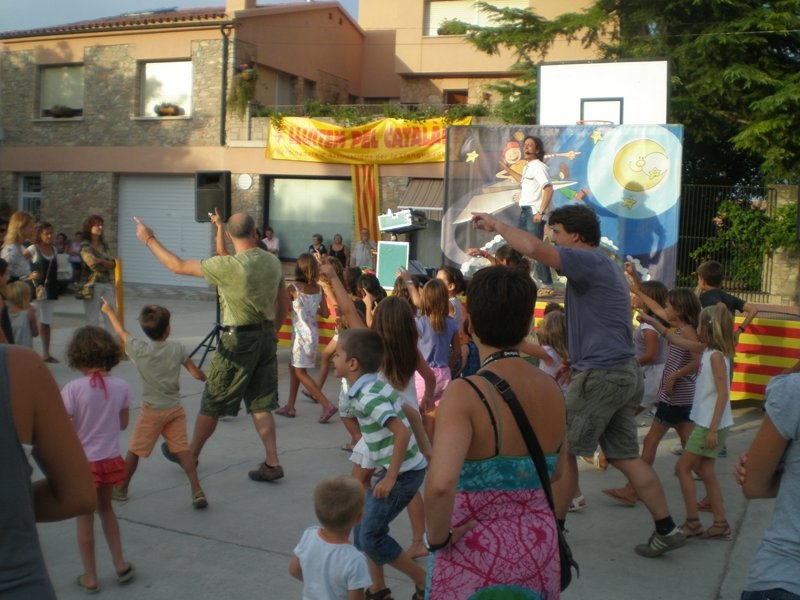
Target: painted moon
{"points": [[640, 165], [634, 176]]}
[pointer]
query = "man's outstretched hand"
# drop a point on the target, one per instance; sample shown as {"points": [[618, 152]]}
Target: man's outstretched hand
{"points": [[143, 232]]}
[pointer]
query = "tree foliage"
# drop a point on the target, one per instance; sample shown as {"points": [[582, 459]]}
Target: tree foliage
{"points": [[735, 73], [746, 233]]}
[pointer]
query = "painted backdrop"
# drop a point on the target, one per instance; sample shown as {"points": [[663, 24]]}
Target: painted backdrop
{"points": [[630, 175]]}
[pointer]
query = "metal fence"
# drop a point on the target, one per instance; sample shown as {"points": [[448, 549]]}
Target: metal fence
{"points": [[699, 220]]}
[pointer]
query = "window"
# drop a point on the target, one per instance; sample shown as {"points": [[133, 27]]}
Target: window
{"points": [[299, 208], [437, 11], [61, 91], [30, 195], [166, 84], [456, 97]]}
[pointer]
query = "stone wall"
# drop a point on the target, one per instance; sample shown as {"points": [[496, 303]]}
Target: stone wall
{"points": [[418, 90], [68, 198], [111, 112], [785, 263]]}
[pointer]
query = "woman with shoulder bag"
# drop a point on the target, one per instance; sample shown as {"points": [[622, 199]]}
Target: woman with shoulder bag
{"points": [[488, 511], [45, 265], [100, 265]]}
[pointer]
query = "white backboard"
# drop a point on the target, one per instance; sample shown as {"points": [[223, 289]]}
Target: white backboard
{"points": [[630, 92]]}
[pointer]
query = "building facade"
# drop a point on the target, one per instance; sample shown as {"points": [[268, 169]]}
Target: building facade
{"points": [[116, 116]]}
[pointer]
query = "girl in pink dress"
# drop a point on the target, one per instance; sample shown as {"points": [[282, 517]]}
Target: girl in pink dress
{"points": [[98, 405]]}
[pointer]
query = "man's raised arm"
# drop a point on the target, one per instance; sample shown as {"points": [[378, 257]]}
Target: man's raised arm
{"points": [[174, 263], [524, 242]]}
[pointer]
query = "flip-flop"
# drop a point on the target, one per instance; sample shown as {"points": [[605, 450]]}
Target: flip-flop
{"points": [[51, 360], [285, 411], [327, 413], [85, 588], [620, 496], [126, 575]]}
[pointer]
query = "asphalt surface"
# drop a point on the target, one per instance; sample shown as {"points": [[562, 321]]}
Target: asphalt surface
{"points": [[240, 546]]}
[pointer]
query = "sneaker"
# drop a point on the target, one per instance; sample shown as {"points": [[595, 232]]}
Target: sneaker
{"points": [[167, 454], [723, 453], [677, 450], [659, 544], [577, 504], [119, 494], [199, 499], [266, 473]]}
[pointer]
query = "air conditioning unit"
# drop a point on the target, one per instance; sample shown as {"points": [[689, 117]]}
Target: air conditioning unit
{"points": [[402, 221]]}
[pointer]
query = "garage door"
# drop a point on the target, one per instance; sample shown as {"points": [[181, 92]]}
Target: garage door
{"points": [[167, 205]]}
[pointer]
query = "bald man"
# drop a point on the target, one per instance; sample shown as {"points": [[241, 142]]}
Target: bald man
{"points": [[244, 367]]}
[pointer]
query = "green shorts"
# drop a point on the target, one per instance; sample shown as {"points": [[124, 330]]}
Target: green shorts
{"points": [[244, 367], [696, 444], [600, 409]]}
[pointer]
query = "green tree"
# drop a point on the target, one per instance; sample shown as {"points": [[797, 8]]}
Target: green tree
{"points": [[735, 73]]}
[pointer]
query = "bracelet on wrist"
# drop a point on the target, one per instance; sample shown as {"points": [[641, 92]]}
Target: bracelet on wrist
{"points": [[741, 328], [434, 547]]}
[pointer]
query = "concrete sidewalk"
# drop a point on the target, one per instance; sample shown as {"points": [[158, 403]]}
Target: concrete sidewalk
{"points": [[240, 546]]}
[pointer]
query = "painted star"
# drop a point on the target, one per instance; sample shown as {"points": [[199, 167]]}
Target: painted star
{"points": [[472, 156], [628, 203], [655, 173], [596, 136]]}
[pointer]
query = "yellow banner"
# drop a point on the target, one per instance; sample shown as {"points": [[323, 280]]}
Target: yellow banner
{"points": [[384, 142]]}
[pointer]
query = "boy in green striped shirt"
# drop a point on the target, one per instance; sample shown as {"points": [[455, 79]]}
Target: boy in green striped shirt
{"points": [[393, 449]]}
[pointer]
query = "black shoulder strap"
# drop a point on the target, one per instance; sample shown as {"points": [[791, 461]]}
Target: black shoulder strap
{"points": [[534, 448], [491, 415]]}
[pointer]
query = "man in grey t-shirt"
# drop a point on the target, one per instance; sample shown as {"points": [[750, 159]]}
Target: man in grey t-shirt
{"points": [[606, 380]]}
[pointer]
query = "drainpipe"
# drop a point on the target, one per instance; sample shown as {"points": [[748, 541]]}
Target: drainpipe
{"points": [[225, 30]]}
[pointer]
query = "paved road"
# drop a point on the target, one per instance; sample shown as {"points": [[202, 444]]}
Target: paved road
{"points": [[240, 546]]}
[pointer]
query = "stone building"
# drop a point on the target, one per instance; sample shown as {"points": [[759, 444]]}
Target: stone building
{"points": [[115, 116]]}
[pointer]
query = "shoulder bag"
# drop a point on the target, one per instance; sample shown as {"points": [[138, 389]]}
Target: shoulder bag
{"points": [[535, 450]]}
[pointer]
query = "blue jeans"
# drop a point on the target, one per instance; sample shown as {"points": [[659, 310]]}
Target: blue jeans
{"points": [[526, 223], [371, 535], [773, 594]]}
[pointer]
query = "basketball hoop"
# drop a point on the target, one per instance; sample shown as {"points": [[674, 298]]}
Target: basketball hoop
{"points": [[595, 123]]}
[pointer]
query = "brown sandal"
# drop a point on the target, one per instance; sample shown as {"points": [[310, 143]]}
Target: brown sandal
{"points": [[720, 530], [692, 528]]}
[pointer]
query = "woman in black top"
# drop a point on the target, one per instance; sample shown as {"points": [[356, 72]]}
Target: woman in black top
{"points": [[339, 250], [45, 264]]}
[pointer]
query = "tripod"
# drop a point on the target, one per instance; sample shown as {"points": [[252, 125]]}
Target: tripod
{"points": [[211, 341]]}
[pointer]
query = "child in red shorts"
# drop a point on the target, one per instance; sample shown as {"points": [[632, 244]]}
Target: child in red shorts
{"points": [[98, 404]]}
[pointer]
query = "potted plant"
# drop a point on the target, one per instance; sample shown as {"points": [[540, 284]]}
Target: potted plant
{"points": [[61, 112], [243, 90], [167, 109], [452, 27]]}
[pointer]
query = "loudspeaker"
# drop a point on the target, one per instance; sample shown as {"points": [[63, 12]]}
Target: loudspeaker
{"points": [[212, 190]]}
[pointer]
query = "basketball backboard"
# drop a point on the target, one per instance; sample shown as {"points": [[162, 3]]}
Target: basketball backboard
{"points": [[631, 92]]}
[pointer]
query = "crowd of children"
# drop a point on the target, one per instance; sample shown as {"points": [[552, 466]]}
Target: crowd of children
{"points": [[394, 356]]}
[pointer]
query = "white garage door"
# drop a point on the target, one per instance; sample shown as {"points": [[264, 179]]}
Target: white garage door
{"points": [[166, 204]]}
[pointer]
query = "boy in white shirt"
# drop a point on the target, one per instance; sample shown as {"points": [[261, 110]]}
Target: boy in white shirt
{"points": [[325, 561]]}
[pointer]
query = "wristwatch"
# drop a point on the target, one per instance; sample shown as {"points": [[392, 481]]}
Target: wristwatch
{"points": [[434, 547]]}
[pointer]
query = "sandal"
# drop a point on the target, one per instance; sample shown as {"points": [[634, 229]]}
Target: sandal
{"points": [[546, 291], [327, 413], [199, 500], [692, 528], [285, 411], [720, 530], [419, 594], [384, 594], [309, 396], [126, 575], [598, 460], [578, 503], [621, 494], [704, 506], [85, 588]]}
